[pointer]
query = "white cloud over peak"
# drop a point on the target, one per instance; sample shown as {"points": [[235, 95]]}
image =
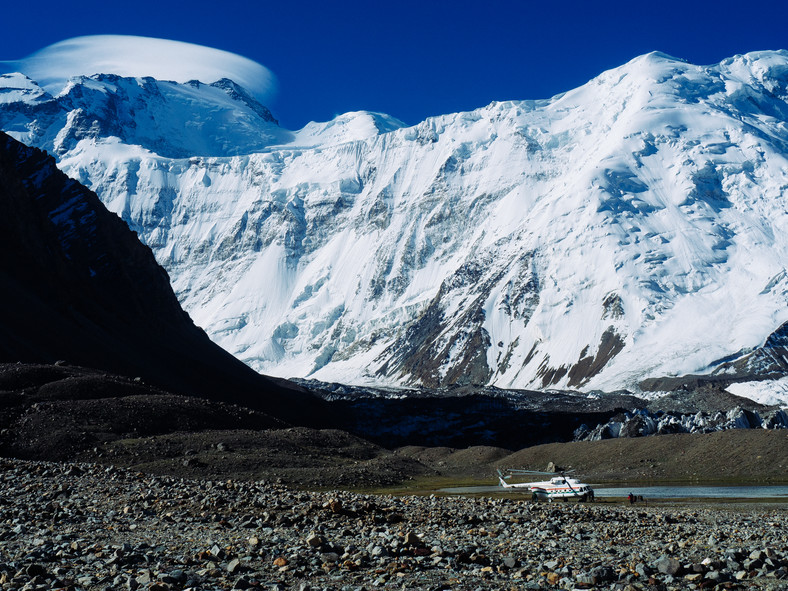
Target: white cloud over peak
{"points": [[133, 56]]}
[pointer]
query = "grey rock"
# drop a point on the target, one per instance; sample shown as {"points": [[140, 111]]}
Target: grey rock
{"points": [[714, 575], [668, 566], [551, 564], [314, 540], [144, 578], [602, 574], [585, 578], [643, 570], [177, 575]]}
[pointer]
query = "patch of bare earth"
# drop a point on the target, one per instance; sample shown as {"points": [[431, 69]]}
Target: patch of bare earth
{"points": [[756, 455]]}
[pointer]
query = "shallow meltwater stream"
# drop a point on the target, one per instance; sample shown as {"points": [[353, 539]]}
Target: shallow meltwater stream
{"points": [[704, 492], [655, 492]]}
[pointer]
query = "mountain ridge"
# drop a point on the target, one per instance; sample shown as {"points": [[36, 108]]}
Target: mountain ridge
{"points": [[590, 241]]}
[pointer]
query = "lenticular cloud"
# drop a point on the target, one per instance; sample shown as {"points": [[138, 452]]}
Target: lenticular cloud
{"points": [[133, 56]]}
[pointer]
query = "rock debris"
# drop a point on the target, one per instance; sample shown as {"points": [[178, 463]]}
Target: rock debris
{"points": [[90, 527]]}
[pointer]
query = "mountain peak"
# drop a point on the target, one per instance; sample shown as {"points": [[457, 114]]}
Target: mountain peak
{"points": [[238, 93], [352, 126], [171, 119], [657, 56], [15, 87], [132, 56]]}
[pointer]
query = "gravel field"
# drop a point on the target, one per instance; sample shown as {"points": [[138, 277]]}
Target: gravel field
{"points": [[85, 526]]}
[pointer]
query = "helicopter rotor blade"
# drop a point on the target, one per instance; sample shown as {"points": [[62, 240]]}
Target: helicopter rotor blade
{"points": [[538, 472]]}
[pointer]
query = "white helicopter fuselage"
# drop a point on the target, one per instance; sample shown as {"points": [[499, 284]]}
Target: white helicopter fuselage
{"points": [[559, 487]]}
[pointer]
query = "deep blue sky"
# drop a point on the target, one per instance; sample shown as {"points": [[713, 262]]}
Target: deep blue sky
{"points": [[416, 58]]}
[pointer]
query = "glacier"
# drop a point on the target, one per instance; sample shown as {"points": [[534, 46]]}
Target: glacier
{"points": [[632, 228]]}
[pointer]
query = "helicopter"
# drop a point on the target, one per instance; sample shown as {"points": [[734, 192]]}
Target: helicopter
{"points": [[558, 487]]}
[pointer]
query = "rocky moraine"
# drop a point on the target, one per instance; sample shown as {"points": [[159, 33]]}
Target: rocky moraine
{"points": [[90, 527]]}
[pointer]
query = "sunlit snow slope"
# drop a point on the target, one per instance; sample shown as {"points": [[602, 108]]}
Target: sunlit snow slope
{"points": [[635, 227]]}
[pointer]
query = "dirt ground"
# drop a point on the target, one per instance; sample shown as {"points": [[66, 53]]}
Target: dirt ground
{"points": [[61, 413], [327, 458]]}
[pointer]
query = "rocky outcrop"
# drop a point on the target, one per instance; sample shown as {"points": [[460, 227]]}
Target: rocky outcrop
{"points": [[640, 423], [768, 360]]}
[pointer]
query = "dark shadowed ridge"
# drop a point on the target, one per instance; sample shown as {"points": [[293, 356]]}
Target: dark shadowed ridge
{"points": [[78, 286]]}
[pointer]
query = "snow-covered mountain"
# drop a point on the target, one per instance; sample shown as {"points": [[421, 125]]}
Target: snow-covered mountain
{"points": [[632, 228], [171, 119]]}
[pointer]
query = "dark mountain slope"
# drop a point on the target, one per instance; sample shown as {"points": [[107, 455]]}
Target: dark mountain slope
{"points": [[77, 285]]}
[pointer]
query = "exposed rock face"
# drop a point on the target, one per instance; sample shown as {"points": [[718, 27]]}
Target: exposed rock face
{"points": [[79, 286], [770, 359]]}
